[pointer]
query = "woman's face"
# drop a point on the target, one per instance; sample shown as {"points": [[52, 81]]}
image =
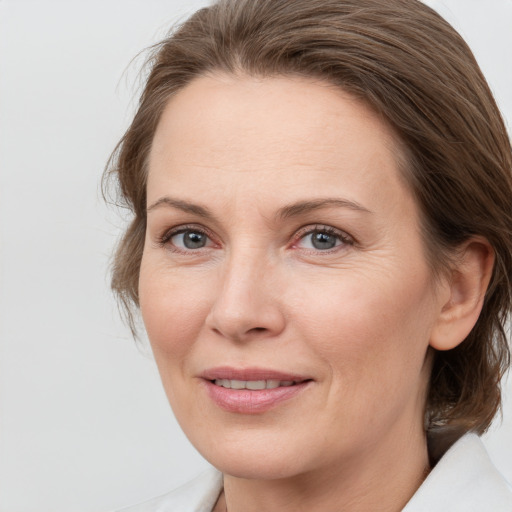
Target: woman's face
{"points": [[283, 251]]}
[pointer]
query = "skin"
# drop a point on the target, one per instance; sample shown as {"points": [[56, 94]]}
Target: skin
{"points": [[358, 319]]}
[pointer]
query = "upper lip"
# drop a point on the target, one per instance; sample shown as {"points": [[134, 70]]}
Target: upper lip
{"points": [[250, 374]]}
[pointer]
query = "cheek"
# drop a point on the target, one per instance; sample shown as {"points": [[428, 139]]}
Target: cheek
{"points": [[374, 351], [173, 312], [370, 328]]}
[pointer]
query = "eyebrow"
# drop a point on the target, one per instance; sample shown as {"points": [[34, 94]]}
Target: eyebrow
{"points": [[184, 206], [288, 211], [303, 207]]}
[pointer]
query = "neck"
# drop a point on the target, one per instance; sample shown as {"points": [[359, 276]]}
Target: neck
{"points": [[382, 478]]}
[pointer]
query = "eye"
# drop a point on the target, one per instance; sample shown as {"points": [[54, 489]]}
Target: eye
{"points": [[186, 239], [322, 238], [189, 239]]}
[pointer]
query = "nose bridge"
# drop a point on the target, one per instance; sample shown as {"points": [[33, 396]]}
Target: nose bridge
{"points": [[247, 302]]}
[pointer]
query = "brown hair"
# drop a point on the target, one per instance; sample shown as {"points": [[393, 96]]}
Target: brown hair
{"points": [[409, 65]]}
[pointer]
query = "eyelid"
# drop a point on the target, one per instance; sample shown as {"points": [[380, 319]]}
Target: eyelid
{"points": [[165, 237], [345, 238]]}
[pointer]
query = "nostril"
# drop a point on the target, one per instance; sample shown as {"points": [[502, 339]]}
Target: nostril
{"points": [[258, 329]]}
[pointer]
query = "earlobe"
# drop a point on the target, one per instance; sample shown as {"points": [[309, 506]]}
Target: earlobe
{"points": [[466, 288]]}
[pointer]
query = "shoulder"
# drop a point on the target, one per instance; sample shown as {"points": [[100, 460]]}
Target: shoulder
{"points": [[464, 479], [198, 495]]}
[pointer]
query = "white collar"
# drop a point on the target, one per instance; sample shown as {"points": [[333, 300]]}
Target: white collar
{"points": [[464, 480]]}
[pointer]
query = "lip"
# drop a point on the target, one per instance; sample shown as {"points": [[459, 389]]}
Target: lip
{"points": [[230, 373], [245, 401]]}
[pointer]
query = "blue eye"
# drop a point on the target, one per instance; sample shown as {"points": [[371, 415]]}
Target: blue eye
{"points": [[190, 239], [322, 239]]}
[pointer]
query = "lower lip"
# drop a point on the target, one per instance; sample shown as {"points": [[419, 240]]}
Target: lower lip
{"points": [[245, 401]]}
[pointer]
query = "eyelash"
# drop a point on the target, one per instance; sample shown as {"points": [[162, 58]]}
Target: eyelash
{"points": [[345, 239], [164, 239]]}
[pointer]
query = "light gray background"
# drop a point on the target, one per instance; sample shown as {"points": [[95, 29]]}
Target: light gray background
{"points": [[84, 423]]}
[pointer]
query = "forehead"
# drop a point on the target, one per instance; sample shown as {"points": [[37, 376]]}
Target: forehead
{"points": [[293, 134]]}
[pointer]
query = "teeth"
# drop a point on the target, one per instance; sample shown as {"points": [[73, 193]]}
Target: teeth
{"points": [[254, 385]]}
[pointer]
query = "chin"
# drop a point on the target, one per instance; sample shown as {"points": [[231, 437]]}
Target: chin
{"points": [[258, 456], [255, 467]]}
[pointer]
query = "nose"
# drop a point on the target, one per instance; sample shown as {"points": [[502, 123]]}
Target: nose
{"points": [[247, 304]]}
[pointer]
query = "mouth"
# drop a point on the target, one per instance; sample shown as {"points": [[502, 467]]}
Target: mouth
{"points": [[254, 385], [252, 391]]}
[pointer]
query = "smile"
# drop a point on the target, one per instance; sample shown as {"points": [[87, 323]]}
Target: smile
{"points": [[254, 385], [252, 391]]}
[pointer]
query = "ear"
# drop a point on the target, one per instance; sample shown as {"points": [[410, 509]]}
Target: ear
{"points": [[465, 289]]}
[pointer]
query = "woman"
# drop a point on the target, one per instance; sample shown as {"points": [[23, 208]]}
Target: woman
{"points": [[321, 251]]}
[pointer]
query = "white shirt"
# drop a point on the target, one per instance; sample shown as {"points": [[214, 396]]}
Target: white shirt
{"points": [[464, 480]]}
